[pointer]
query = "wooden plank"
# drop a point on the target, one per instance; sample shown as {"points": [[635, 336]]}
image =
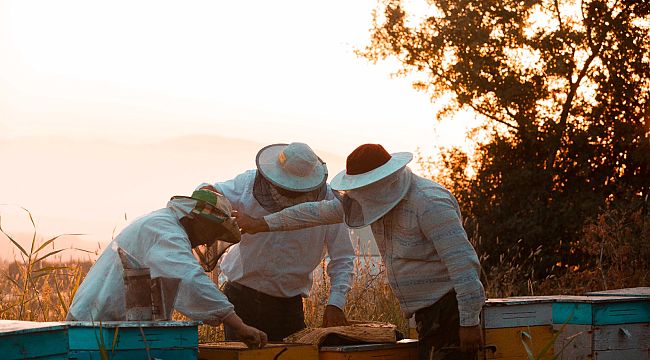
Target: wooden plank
{"points": [[622, 313], [23, 327], [232, 350], [632, 310], [403, 350], [636, 291], [133, 336], [635, 354], [515, 312], [573, 342], [621, 337], [406, 343], [572, 313], [508, 342], [189, 354]]}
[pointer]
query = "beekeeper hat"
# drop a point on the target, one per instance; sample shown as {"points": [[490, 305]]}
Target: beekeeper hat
{"points": [[368, 164], [293, 167], [214, 207]]}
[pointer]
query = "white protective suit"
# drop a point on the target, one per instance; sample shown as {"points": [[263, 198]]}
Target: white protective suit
{"points": [[159, 242]]}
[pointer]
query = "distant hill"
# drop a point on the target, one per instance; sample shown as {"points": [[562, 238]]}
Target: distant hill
{"points": [[91, 186]]}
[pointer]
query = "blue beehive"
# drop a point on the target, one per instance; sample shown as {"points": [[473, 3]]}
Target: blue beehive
{"points": [[27, 339], [602, 327], [601, 310], [133, 340], [86, 340]]}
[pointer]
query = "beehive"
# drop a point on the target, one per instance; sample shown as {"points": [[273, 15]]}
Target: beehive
{"points": [[27, 339], [130, 339], [602, 327], [232, 350], [512, 324], [402, 350]]}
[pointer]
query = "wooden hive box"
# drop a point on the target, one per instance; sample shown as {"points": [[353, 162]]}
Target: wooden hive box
{"points": [[233, 350], [508, 323], [133, 340], [406, 349], [602, 327], [27, 339]]}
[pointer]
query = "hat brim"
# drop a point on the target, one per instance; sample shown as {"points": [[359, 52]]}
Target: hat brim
{"points": [[268, 165], [342, 181]]}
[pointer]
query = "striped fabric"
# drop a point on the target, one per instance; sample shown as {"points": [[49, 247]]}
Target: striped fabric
{"points": [[422, 242]]}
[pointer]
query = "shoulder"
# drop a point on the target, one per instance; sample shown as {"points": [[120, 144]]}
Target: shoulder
{"points": [[428, 195], [238, 185], [161, 221]]}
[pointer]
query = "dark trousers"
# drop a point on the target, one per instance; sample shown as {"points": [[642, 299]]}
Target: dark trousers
{"points": [[438, 327], [278, 317]]}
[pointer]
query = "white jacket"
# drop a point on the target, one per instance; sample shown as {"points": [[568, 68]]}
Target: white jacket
{"points": [[281, 263], [159, 242]]}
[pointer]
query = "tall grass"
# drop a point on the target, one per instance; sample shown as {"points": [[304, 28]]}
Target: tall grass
{"points": [[34, 287]]}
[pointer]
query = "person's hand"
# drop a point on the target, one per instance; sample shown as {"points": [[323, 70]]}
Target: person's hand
{"points": [[333, 316], [471, 338], [249, 335], [250, 225]]}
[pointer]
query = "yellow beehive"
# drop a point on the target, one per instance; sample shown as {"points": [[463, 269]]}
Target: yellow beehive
{"points": [[402, 350], [513, 326], [232, 350]]}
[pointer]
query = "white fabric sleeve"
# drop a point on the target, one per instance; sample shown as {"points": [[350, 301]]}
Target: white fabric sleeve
{"points": [[341, 265], [198, 296], [306, 215], [440, 221]]}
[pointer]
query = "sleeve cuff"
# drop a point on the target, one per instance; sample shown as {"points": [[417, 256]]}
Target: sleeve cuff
{"points": [[469, 318], [272, 222], [337, 299], [219, 319]]}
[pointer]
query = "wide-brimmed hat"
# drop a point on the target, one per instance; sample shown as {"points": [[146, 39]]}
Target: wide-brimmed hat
{"points": [[368, 164], [293, 167]]}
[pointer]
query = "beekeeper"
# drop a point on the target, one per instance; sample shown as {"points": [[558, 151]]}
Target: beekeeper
{"points": [[163, 241], [269, 274], [431, 266]]}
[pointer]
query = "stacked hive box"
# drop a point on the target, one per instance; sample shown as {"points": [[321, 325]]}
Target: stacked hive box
{"points": [[511, 325], [567, 327], [602, 327]]}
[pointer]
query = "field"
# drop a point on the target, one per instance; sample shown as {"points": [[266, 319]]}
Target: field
{"points": [[38, 286]]}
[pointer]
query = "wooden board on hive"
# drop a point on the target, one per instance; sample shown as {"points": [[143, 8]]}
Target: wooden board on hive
{"points": [[234, 350], [406, 349]]}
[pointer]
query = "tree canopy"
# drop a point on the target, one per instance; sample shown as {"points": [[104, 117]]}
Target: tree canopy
{"points": [[562, 89]]}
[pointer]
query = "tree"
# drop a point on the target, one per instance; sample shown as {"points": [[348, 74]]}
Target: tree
{"points": [[562, 89]]}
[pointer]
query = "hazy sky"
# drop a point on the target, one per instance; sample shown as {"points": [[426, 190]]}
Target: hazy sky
{"points": [[141, 72], [259, 70]]}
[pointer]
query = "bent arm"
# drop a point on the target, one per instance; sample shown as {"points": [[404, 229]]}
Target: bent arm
{"points": [[341, 265], [440, 222], [198, 296], [306, 215]]}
